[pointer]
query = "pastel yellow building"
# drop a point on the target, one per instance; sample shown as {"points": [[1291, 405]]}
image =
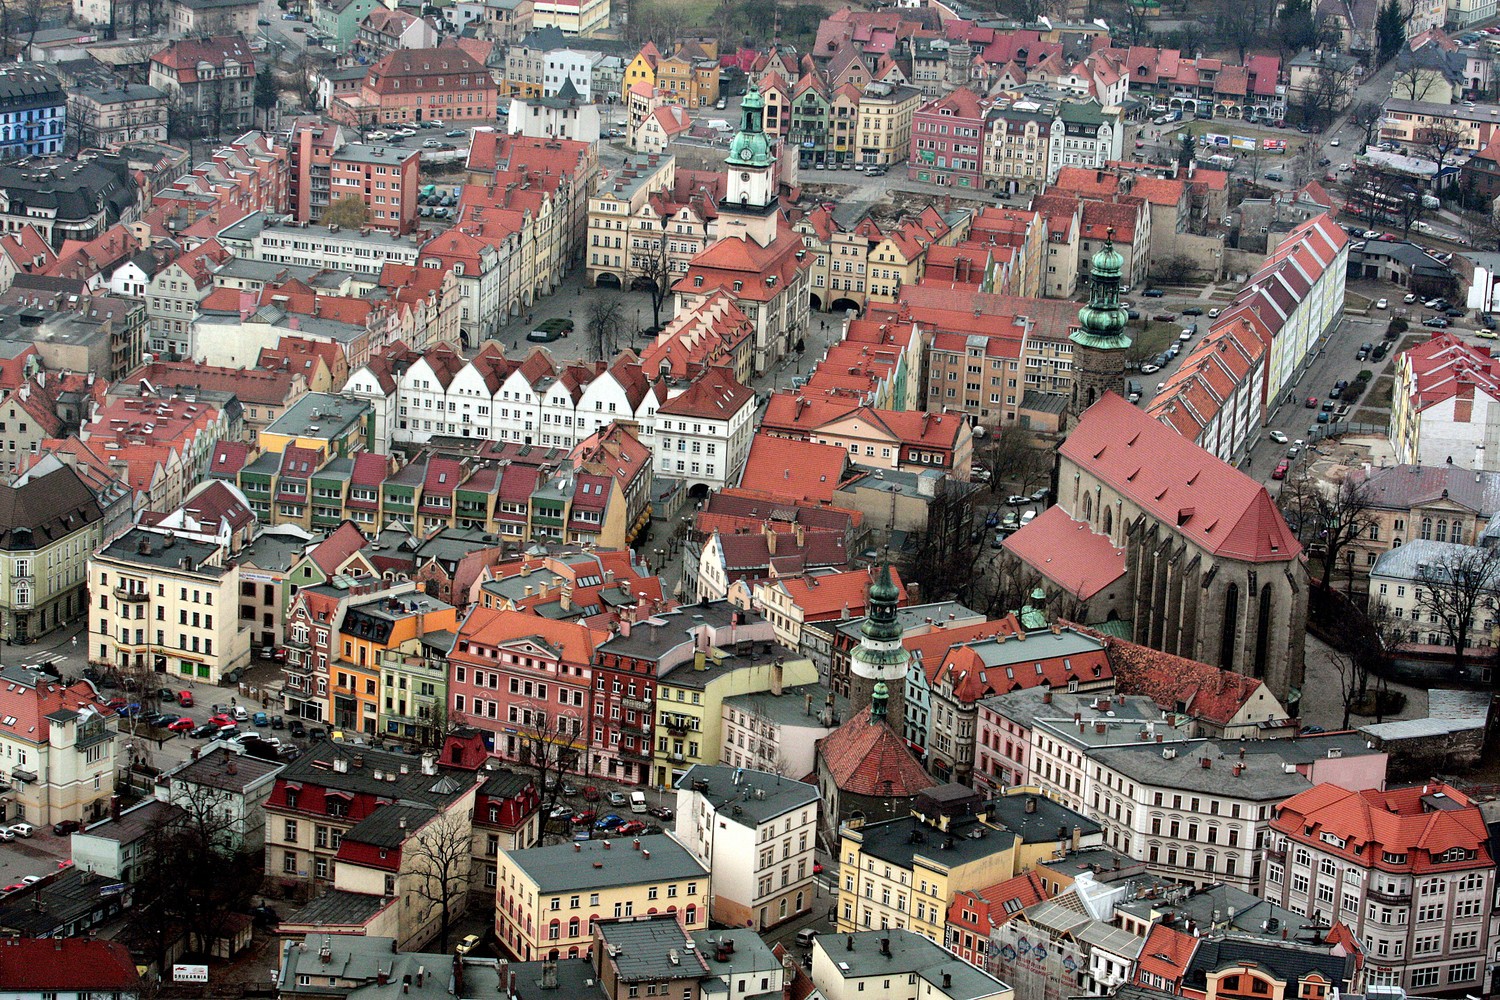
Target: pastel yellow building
{"points": [[321, 421], [884, 133], [903, 873], [690, 705], [547, 899]]}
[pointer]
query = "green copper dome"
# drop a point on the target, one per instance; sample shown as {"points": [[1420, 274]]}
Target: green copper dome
{"points": [[750, 147], [1102, 322], [1108, 262], [880, 617]]}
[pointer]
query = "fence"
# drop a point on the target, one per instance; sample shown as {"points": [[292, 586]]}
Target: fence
{"points": [[1318, 432]]}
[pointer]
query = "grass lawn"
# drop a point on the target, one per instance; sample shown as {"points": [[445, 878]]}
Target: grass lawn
{"points": [[1381, 393], [1356, 301], [1153, 338]]}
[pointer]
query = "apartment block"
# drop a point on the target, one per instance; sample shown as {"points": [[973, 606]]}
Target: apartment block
{"points": [[1408, 870], [167, 604], [551, 898]]}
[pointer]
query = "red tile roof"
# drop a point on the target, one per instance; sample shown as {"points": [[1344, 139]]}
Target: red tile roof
{"points": [[1400, 821], [716, 395], [1210, 502], [1166, 954], [995, 905], [1176, 683], [825, 597], [67, 965], [30, 706], [866, 759], [1068, 552], [796, 470], [492, 627]]}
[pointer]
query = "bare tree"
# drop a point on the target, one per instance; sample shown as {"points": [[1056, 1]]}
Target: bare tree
{"points": [[1367, 116], [1329, 516], [1304, 164], [653, 275], [1454, 591], [1012, 461], [1442, 140], [550, 748], [603, 325], [1414, 83], [195, 872], [1328, 92], [436, 870], [1177, 269]]}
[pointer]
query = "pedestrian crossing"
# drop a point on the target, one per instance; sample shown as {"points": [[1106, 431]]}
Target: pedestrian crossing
{"points": [[52, 657]]}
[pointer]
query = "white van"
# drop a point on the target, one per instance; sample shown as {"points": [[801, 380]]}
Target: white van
{"points": [[637, 802]]}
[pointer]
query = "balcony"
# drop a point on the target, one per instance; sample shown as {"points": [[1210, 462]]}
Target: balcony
{"points": [[1401, 898], [133, 596], [639, 756], [637, 704]]}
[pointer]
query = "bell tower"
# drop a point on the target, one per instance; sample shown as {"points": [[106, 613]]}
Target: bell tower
{"points": [[1100, 342], [750, 199], [877, 666]]}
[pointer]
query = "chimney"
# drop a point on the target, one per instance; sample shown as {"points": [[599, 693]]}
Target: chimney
{"points": [[1207, 763], [776, 678]]}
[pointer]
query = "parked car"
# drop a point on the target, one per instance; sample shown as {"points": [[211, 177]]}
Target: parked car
{"points": [[1382, 304], [1409, 298], [1328, 405], [22, 830], [1278, 437], [1149, 369], [1312, 402], [455, 133], [630, 828], [468, 944], [183, 725], [261, 719], [204, 731], [1153, 293], [662, 813], [1323, 418], [608, 822], [1437, 322], [297, 729], [590, 793], [1037, 496], [584, 817], [66, 827], [1280, 471], [561, 812], [1192, 311]]}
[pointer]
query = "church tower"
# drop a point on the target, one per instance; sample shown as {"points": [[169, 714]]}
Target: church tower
{"points": [[750, 203], [1100, 342], [877, 666]]}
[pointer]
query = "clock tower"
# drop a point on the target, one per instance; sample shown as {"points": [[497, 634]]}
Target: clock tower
{"points": [[751, 199]]}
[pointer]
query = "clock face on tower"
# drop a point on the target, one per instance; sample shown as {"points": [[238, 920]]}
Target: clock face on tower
{"points": [[745, 176]]}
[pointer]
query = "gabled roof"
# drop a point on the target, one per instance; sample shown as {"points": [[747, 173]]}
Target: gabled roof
{"points": [[1422, 822], [1205, 499], [796, 470], [1176, 683]]}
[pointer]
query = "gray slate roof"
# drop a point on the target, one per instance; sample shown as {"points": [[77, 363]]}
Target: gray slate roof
{"points": [[758, 796], [565, 867], [1421, 559], [1401, 487], [910, 953]]}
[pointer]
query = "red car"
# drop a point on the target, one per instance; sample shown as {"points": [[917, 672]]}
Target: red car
{"points": [[590, 793], [183, 725], [1280, 472], [1312, 402], [185, 699], [222, 720], [115, 704], [817, 867], [630, 828], [583, 818], [13, 888]]}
